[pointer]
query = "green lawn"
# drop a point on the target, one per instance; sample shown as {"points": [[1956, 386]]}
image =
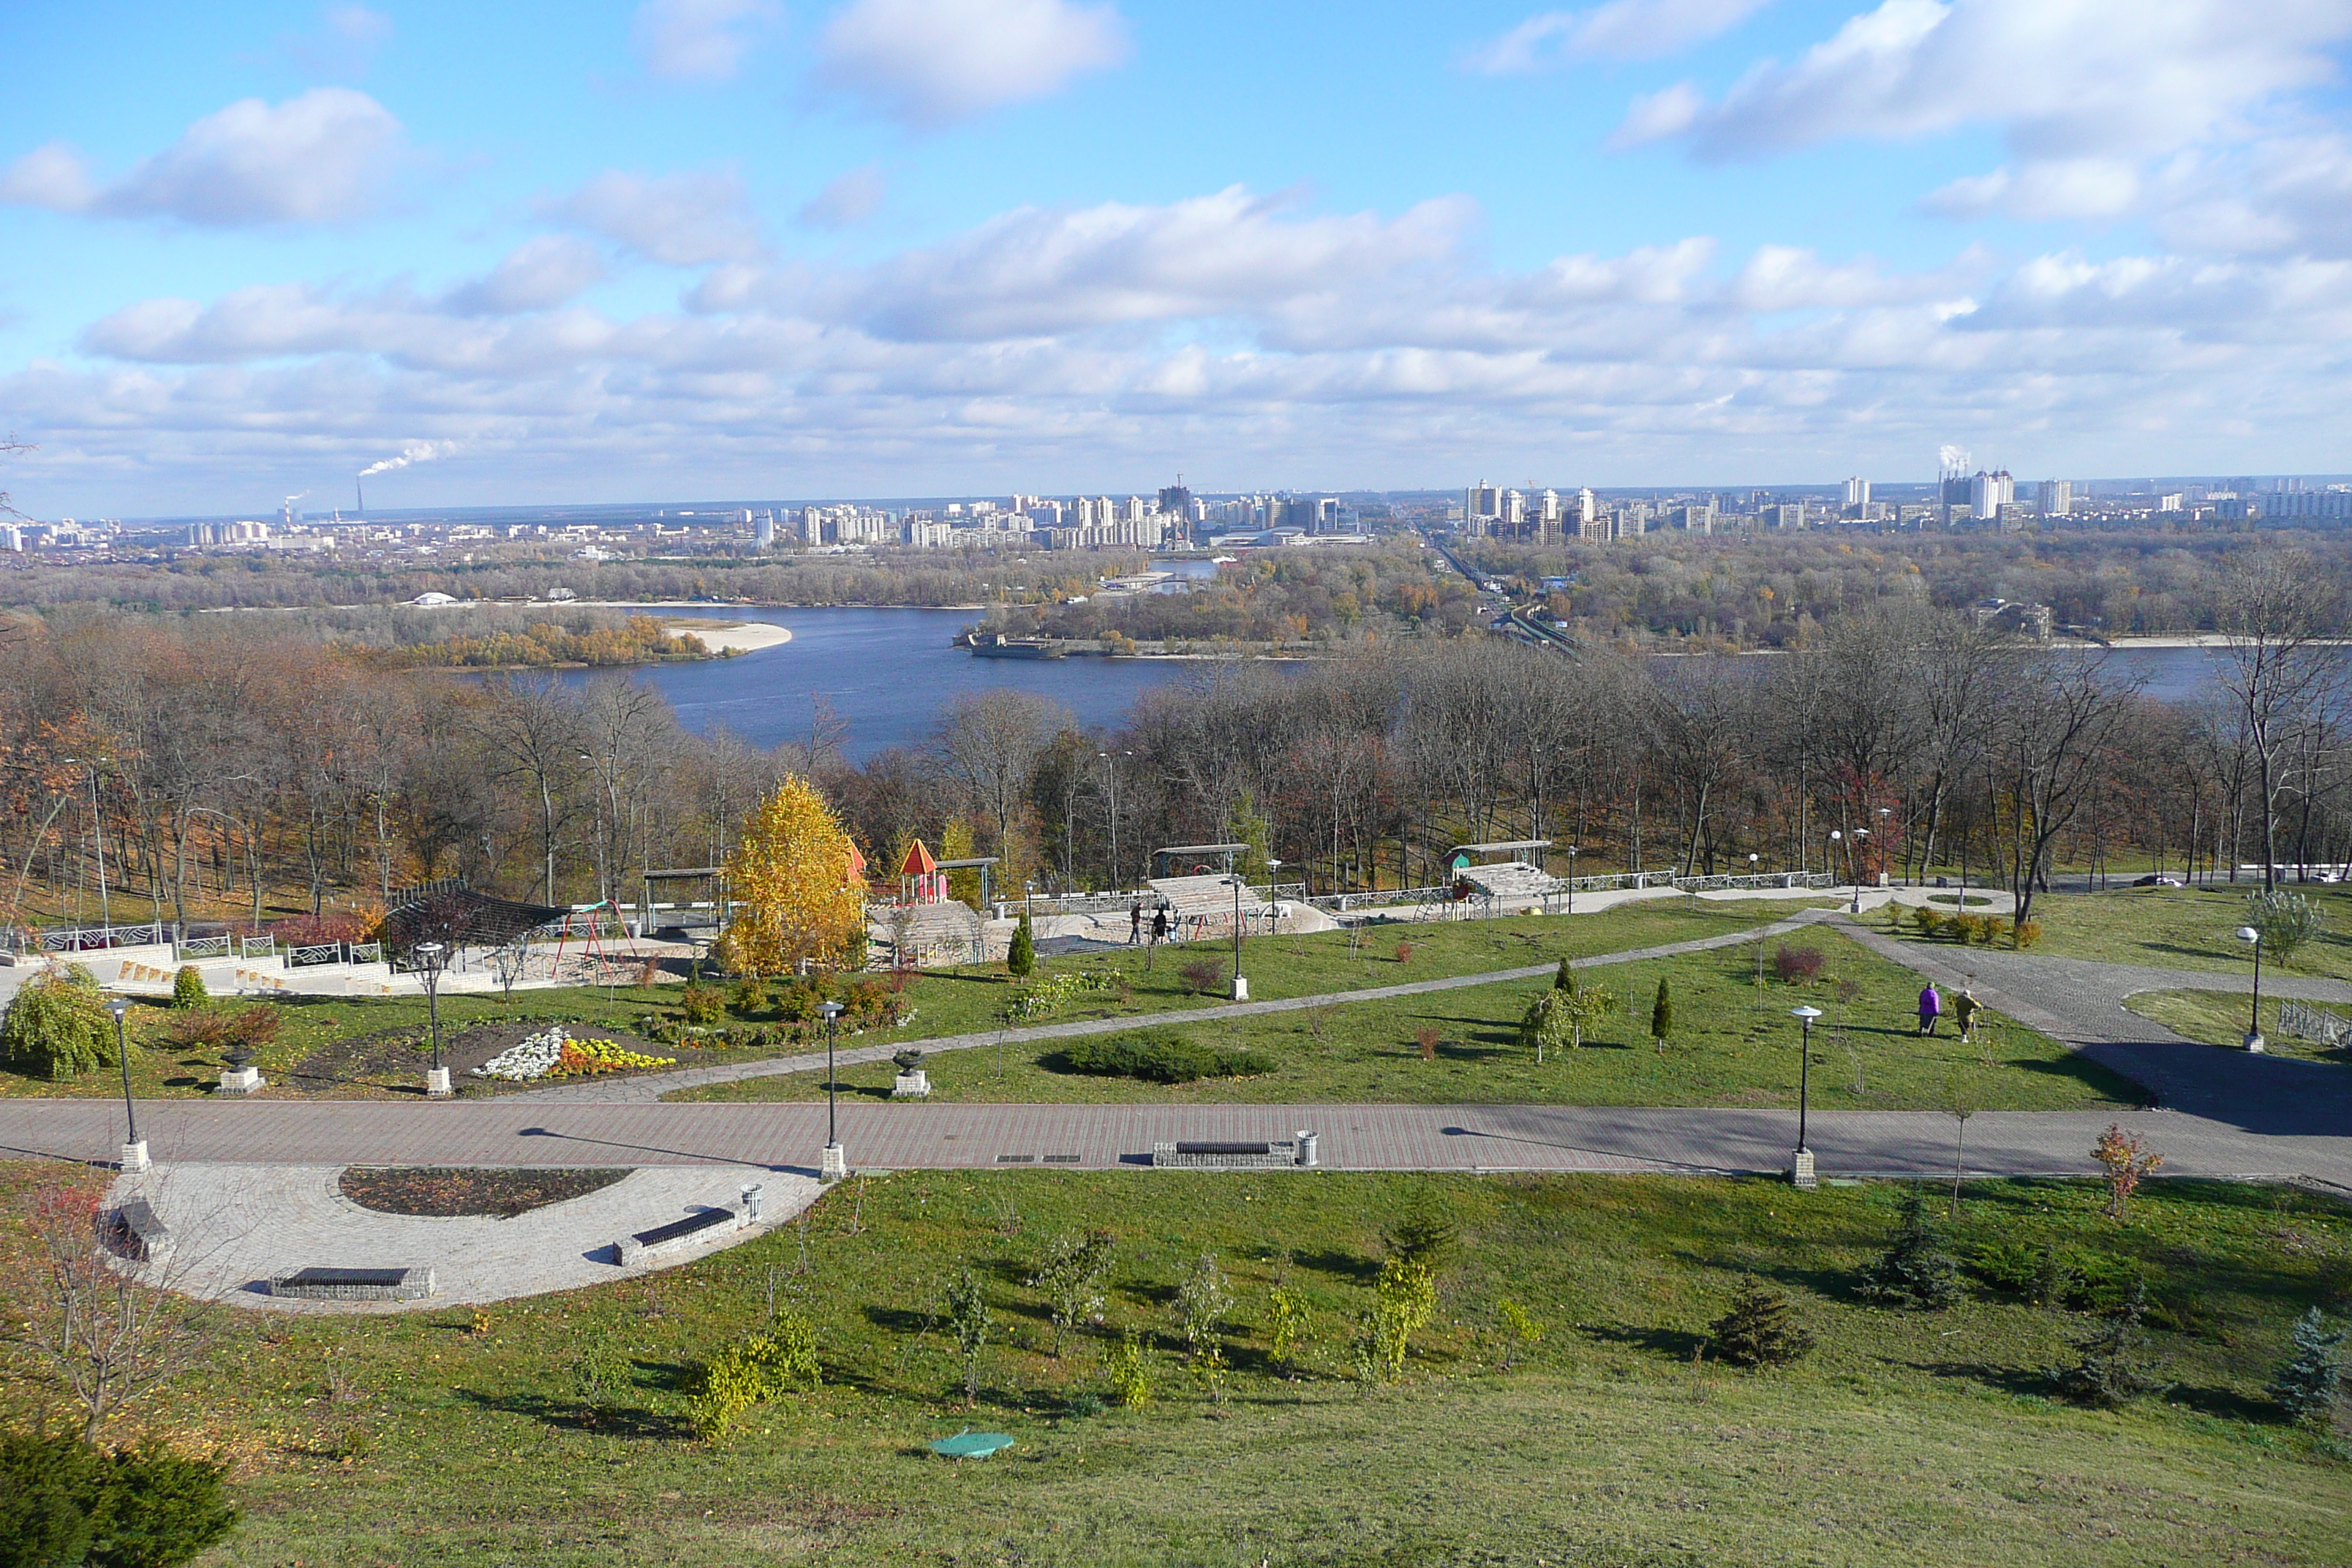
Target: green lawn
{"points": [[1923, 1439], [2179, 927], [2219, 1018], [951, 1002], [1734, 1044]]}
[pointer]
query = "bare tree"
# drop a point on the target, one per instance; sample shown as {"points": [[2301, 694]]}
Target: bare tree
{"points": [[94, 1331], [2279, 611], [990, 745], [533, 737]]}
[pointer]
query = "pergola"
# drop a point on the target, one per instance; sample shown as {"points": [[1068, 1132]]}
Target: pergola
{"points": [[1200, 853], [1498, 881], [1202, 900]]}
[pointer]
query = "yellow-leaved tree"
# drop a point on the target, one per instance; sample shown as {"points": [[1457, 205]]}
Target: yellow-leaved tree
{"points": [[795, 896]]}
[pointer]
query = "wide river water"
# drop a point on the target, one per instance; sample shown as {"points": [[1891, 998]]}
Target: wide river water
{"points": [[888, 673]]}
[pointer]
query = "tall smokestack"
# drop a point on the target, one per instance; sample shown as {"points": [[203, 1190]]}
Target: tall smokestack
{"points": [[359, 490]]}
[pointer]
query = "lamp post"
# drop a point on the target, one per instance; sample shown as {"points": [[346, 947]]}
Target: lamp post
{"points": [[1884, 813], [1853, 866], [430, 953], [98, 837], [1241, 987], [134, 1147], [1801, 1175], [834, 1167], [1571, 879], [2253, 939]]}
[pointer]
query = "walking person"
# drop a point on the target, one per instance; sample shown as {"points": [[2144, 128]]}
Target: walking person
{"points": [[1134, 922], [1965, 1007], [1931, 1007], [1159, 925]]}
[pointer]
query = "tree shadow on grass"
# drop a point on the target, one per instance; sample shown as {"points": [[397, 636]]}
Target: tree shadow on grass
{"points": [[572, 1415], [1346, 1265], [1676, 1344], [2016, 1380]]}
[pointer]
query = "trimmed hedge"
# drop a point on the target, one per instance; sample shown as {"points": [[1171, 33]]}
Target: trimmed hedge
{"points": [[1154, 1056]]}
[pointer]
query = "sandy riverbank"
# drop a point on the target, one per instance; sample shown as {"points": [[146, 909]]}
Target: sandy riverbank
{"points": [[731, 636]]}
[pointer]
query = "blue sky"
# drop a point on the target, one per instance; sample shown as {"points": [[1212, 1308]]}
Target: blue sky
{"points": [[759, 247]]}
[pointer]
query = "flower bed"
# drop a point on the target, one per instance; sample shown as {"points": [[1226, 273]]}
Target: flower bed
{"points": [[552, 1053]]}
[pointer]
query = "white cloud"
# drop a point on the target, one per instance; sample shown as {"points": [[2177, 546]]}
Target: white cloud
{"points": [[932, 62], [536, 275], [699, 40], [2055, 188], [679, 220], [1124, 336], [346, 43], [317, 158], [1619, 29], [847, 200]]}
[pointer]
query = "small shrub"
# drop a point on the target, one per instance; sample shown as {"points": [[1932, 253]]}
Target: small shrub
{"points": [[969, 1322], [1995, 928], [1426, 1038], [1792, 964], [1204, 975], [1425, 1234], [1760, 1329], [1662, 1014], [2112, 1367], [1021, 956], [1915, 1271], [1564, 978], [1929, 921], [1404, 953], [1521, 1330], [600, 1376], [1403, 1304], [2025, 933], [1285, 1328], [66, 1502], [1080, 1405], [2127, 1159], [1155, 1055], [1130, 1373], [1070, 1276], [700, 1004], [188, 987], [1964, 928], [749, 995], [2307, 1384], [2286, 921], [57, 1027]]}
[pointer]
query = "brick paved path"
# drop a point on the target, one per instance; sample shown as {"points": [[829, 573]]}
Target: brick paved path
{"points": [[651, 1086], [787, 1137]]}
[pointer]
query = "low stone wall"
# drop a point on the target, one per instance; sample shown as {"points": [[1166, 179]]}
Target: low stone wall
{"points": [[1282, 1154], [697, 1229], [355, 1285]]}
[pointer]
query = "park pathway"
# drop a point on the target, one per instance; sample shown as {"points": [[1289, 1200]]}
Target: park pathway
{"points": [[2081, 1004], [786, 1137]]}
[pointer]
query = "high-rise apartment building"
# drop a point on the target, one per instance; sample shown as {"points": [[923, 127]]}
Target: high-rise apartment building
{"points": [[1857, 495], [2053, 497], [1988, 492]]}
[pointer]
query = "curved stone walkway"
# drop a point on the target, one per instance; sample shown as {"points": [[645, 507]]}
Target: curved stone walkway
{"points": [[236, 1225], [651, 1086]]}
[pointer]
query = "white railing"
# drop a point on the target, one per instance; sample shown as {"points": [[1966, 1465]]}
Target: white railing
{"points": [[83, 938], [195, 947], [316, 953], [367, 951], [2305, 1022], [257, 947]]}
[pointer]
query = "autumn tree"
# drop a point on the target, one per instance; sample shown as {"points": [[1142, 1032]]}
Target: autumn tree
{"points": [[796, 901]]}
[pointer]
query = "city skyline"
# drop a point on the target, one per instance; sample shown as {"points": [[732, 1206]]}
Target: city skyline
{"points": [[735, 248]]}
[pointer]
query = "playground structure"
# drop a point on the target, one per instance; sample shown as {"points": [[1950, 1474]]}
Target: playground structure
{"points": [[927, 924]]}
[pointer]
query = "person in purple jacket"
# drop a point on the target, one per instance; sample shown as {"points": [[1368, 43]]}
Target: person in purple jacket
{"points": [[1931, 1007]]}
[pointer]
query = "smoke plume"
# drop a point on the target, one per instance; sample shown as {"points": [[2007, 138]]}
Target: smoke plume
{"points": [[413, 452]]}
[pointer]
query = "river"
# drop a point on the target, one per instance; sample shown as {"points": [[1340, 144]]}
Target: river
{"points": [[888, 673]]}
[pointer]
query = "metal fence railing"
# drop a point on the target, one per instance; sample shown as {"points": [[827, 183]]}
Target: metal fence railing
{"points": [[257, 947], [189, 949], [2305, 1022], [314, 953], [366, 951], [83, 938]]}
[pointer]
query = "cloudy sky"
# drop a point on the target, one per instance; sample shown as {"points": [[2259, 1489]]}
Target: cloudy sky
{"points": [[717, 248]]}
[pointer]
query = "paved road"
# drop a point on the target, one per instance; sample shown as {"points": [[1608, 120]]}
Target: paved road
{"points": [[787, 1137], [2081, 1004], [652, 1087]]}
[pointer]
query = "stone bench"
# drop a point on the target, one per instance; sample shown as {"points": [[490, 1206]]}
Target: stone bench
{"points": [[355, 1284], [1236, 1156], [138, 1232], [681, 1235]]}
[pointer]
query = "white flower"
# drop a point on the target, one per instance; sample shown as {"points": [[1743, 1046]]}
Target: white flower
{"points": [[534, 1056]]}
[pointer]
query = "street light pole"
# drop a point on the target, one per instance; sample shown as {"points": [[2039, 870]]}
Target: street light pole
{"points": [[2253, 1041], [1801, 1175], [1853, 866], [1571, 879], [134, 1148], [436, 1081], [1241, 987], [834, 1167]]}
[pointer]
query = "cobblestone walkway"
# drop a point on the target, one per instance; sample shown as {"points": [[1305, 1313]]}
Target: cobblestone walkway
{"points": [[237, 1227]]}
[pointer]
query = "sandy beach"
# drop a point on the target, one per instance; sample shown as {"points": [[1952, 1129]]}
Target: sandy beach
{"points": [[732, 636]]}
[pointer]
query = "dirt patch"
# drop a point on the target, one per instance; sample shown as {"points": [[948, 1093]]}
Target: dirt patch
{"points": [[439, 1193], [391, 1063]]}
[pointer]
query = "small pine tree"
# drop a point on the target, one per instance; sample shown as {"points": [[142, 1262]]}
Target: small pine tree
{"points": [[2307, 1384], [1021, 957], [1915, 1271], [1425, 1234], [188, 987], [1661, 1015], [1761, 1329], [2113, 1368], [1564, 979]]}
